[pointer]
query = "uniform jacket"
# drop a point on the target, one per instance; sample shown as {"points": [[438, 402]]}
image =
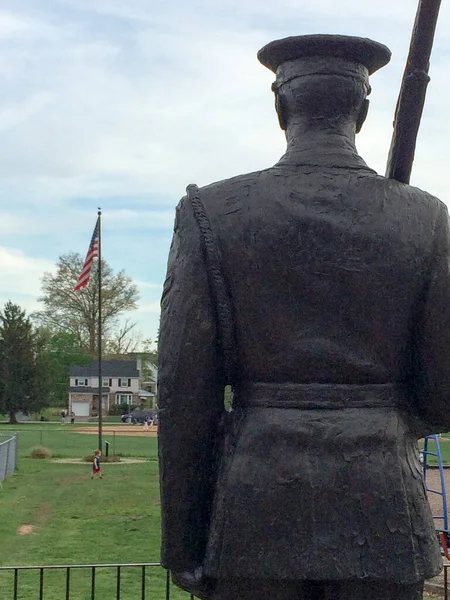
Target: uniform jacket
{"points": [[339, 282]]}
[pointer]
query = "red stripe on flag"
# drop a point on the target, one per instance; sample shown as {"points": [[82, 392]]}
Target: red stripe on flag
{"points": [[92, 252]]}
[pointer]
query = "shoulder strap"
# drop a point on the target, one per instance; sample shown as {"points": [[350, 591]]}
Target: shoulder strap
{"points": [[218, 286]]}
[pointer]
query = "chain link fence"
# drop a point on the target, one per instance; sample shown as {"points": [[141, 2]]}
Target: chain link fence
{"points": [[9, 447]]}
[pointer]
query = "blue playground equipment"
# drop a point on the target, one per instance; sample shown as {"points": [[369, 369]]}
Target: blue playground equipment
{"points": [[442, 532]]}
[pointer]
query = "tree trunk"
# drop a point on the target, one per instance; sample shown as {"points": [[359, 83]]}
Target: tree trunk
{"points": [[92, 341], [12, 417]]}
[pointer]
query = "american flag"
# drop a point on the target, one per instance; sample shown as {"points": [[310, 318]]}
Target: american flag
{"points": [[92, 252]]}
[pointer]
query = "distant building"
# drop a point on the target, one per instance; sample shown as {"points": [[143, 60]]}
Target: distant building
{"points": [[121, 383], [149, 375]]}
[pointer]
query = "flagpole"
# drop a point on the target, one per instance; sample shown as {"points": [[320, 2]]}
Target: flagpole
{"points": [[99, 331]]}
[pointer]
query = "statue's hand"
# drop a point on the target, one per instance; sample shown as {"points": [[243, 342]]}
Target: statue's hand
{"points": [[194, 582]]}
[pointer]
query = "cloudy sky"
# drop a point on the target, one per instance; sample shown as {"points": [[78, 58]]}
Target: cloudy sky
{"points": [[121, 104]]}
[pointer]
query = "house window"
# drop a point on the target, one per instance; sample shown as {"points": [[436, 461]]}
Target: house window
{"points": [[124, 382], [124, 398], [106, 382], [81, 382]]}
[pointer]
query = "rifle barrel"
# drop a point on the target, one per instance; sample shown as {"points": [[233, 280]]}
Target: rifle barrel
{"points": [[412, 95]]}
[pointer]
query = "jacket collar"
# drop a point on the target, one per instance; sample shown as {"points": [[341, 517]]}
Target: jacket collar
{"points": [[315, 153]]}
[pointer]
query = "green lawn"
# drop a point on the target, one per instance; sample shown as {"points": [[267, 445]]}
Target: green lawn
{"points": [[444, 445], [63, 441], [76, 520]]}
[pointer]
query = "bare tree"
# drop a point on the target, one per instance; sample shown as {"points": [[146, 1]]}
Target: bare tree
{"points": [[123, 339], [77, 312]]}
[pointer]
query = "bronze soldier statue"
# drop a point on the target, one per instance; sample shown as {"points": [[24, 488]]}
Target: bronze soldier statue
{"points": [[337, 284]]}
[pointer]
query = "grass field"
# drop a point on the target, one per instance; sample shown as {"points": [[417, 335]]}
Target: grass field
{"points": [[444, 444], [77, 521]]}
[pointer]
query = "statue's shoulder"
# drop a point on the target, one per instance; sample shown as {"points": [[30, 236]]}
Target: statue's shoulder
{"points": [[239, 186], [219, 196], [410, 196]]}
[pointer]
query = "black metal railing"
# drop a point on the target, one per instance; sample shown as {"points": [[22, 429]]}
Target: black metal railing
{"points": [[63, 589], [13, 577]]}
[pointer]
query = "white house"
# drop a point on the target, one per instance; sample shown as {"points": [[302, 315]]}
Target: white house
{"points": [[120, 384]]}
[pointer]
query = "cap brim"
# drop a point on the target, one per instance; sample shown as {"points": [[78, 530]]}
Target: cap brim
{"points": [[369, 53]]}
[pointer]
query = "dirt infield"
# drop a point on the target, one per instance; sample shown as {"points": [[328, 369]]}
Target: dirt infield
{"points": [[80, 461], [129, 430]]}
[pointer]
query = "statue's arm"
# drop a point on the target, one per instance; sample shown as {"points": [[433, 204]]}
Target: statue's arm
{"points": [[190, 399], [431, 365]]}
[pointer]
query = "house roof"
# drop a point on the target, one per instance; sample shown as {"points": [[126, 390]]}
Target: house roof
{"points": [[86, 389], [110, 368]]}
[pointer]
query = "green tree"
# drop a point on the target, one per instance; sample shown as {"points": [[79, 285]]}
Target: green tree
{"points": [[62, 351], [24, 370], [43, 377], [76, 313]]}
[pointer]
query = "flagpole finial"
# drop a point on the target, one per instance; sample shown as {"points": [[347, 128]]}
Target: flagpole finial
{"points": [[99, 211]]}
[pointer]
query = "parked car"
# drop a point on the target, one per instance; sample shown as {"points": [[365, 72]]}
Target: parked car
{"points": [[139, 416]]}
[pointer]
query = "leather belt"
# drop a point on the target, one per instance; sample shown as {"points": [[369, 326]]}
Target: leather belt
{"points": [[319, 395]]}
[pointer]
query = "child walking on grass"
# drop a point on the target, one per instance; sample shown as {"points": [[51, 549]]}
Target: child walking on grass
{"points": [[96, 465]]}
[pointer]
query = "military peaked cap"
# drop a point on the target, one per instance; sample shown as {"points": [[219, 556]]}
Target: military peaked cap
{"points": [[363, 51]]}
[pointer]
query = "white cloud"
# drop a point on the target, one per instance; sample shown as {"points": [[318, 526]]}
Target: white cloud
{"points": [[21, 274], [153, 307], [147, 285], [13, 114], [56, 223], [138, 219], [152, 111], [180, 113], [12, 25], [226, 9]]}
